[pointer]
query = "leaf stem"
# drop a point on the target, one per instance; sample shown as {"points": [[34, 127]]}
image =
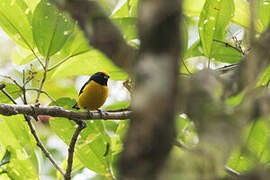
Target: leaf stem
{"points": [[43, 79], [65, 59]]}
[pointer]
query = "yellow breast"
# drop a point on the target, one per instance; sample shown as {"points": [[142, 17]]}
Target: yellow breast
{"points": [[93, 96]]}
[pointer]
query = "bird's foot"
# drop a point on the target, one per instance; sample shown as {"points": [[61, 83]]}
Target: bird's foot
{"points": [[102, 114], [89, 114]]}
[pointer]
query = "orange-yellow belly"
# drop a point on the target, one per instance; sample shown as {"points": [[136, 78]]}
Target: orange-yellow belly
{"points": [[93, 96]]}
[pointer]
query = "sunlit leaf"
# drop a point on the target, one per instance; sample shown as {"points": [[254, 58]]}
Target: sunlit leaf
{"points": [[251, 152], [13, 90], [17, 136], [6, 158], [194, 50], [91, 154], [88, 64], [121, 9], [265, 77], [15, 20], [225, 52], [214, 18], [75, 45], [22, 56], [264, 13], [64, 102], [92, 144], [127, 26], [51, 28]]}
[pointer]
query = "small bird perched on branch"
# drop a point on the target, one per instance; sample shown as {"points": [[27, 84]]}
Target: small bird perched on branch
{"points": [[94, 93]]}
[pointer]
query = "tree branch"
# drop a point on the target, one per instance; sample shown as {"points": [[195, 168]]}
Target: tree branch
{"points": [[28, 120], [152, 127], [56, 111], [100, 31], [81, 126], [41, 146]]}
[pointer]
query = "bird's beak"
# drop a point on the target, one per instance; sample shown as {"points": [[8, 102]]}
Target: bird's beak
{"points": [[107, 77]]}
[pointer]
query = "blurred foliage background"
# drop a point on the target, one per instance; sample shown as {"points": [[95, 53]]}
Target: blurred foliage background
{"points": [[215, 34]]}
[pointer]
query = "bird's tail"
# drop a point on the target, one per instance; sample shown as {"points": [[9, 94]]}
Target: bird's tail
{"points": [[76, 106]]}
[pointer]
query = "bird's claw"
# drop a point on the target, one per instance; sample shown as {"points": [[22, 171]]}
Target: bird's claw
{"points": [[89, 114], [102, 114]]}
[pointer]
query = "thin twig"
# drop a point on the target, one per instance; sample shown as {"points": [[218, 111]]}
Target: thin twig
{"points": [[42, 91], [6, 93], [117, 110], [13, 80], [180, 145], [228, 45], [41, 146], [43, 79], [40, 62], [209, 62], [23, 89], [81, 126], [186, 67], [2, 86], [231, 171], [39, 143], [65, 59], [227, 68], [56, 111]]}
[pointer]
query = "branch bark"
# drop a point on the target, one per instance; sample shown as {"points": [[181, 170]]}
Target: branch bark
{"points": [[56, 111], [41, 146], [81, 126], [149, 139], [100, 31]]}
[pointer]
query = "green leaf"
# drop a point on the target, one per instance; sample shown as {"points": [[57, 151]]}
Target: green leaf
{"points": [[121, 9], [191, 8], [92, 144], [122, 129], [265, 77], [19, 141], [63, 128], [15, 20], [194, 50], [186, 130], [264, 13], [32, 4], [241, 15], [128, 27], [119, 105], [224, 53], [75, 45], [22, 56], [13, 90], [64, 102], [87, 64], [51, 28], [214, 18], [6, 158], [235, 100], [91, 154], [250, 154]]}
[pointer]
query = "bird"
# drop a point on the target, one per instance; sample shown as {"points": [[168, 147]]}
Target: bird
{"points": [[93, 93]]}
